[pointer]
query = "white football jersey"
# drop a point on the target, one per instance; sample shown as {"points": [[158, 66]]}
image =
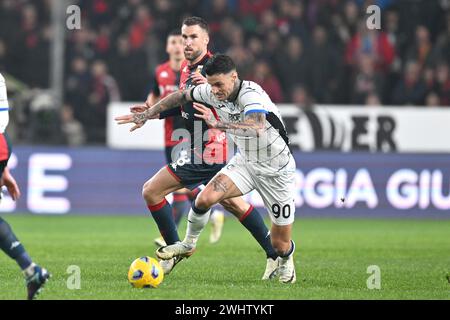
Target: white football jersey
{"points": [[269, 152], [4, 106]]}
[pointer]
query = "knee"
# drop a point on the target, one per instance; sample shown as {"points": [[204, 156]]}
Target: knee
{"points": [[205, 201], [281, 246], [150, 193]]}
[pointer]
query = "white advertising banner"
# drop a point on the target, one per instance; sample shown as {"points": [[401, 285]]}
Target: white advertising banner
{"points": [[324, 127], [149, 137], [362, 128]]}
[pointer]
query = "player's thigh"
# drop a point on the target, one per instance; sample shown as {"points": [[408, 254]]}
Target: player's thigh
{"points": [[278, 197], [237, 206], [161, 184]]}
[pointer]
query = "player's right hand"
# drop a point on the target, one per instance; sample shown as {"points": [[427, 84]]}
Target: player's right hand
{"points": [[198, 78]]}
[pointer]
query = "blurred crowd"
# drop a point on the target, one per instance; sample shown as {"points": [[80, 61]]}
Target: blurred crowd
{"points": [[301, 51]]}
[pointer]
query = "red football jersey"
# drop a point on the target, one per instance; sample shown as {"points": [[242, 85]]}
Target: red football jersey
{"points": [[214, 150], [166, 81]]}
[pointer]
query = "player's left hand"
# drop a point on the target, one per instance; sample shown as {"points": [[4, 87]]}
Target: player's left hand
{"points": [[205, 114], [139, 119], [11, 184]]}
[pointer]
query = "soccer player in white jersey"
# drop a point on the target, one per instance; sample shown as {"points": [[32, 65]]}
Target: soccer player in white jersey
{"points": [[264, 162], [35, 276]]}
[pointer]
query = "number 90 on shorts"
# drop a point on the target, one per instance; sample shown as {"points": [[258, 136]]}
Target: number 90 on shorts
{"points": [[282, 214]]}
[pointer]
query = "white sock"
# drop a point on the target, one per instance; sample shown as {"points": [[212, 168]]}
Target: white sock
{"points": [[29, 271], [196, 224]]}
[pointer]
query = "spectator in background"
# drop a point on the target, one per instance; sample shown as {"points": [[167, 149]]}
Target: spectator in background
{"points": [[367, 81], [300, 97], [373, 100], [411, 89], [263, 75], [140, 27], [3, 55], [130, 69], [443, 42], [81, 44], [244, 62], [432, 100], [77, 88], [323, 67], [422, 49], [296, 22], [216, 11], [351, 18], [443, 83], [373, 43], [71, 128], [291, 65], [219, 40], [103, 90], [273, 43], [31, 56]]}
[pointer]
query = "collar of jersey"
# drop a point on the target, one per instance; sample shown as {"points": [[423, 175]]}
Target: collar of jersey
{"points": [[202, 61], [237, 93]]}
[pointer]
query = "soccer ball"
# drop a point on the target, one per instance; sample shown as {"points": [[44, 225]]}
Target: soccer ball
{"points": [[145, 272]]}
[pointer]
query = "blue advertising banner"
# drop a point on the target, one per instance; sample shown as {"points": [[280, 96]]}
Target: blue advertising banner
{"points": [[105, 181]]}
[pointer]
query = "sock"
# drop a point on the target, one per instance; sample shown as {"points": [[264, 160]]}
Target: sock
{"points": [[28, 272], [197, 219], [254, 223], [180, 205], [162, 213], [286, 255], [12, 246]]}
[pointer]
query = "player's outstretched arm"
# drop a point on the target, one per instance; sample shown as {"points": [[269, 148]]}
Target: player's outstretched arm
{"points": [[171, 101], [252, 126]]}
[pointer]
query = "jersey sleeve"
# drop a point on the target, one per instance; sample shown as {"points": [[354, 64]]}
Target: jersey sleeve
{"points": [[155, 87], [252, 101], [201, 93]]}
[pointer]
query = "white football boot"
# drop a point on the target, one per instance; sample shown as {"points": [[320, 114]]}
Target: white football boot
{"points": [[168, 265], [286, 268], [271, 269], [217, 218], [160, 242], [178, 249]]}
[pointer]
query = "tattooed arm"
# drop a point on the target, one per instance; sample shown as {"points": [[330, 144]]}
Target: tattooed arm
{"points": [[171, 101], [252, 126]]}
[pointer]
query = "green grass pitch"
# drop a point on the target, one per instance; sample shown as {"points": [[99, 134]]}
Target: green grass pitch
{"points": [[331, 259]]}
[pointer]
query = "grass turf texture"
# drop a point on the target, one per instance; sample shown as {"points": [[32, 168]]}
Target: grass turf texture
{"points": [[331, 260]]}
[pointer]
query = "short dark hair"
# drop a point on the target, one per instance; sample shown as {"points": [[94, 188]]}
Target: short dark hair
{"points": [[196, 21], [174, 32], [219, 63]]}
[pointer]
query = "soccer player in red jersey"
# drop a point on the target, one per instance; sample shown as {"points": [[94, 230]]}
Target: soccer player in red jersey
{"points": [[166, 80]]}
